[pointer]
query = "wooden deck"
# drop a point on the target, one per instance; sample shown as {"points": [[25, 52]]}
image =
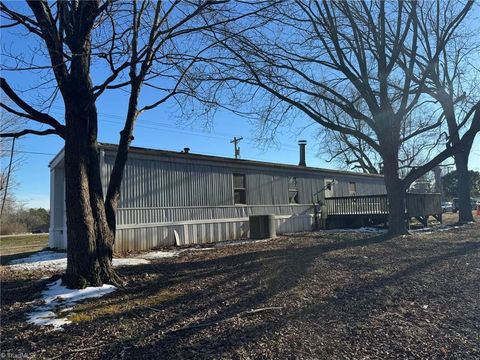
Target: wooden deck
{"points": [[362, 210]]}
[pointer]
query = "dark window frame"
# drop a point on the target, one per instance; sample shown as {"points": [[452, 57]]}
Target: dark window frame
{"points": [[293, 180], [328, 187], [350, 191], [239, 192]]}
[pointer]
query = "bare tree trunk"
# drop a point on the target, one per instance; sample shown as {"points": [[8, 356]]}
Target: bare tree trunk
{"points": [[83, 268], [144, 43], [463, 187], [396, 194], [90, 240], [396, 189], [461, 157]]}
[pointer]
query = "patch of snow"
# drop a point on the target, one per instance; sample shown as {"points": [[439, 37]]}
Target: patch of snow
{"points": [[438, 228], [59, 299], [129, 261], [41, 256], [47, 260], [201, 249], [240, 242], [365, 229], [57, 261], [161, 254]]}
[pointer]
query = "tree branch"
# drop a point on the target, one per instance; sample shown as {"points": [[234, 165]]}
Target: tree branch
{"points": [[29, 132], [33, 114]]}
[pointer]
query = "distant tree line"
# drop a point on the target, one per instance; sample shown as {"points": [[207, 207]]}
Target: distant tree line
{"points": [[450, 184], [18, 220]]}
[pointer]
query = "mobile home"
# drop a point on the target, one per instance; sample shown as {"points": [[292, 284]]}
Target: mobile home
{"points": [[181, 198]]}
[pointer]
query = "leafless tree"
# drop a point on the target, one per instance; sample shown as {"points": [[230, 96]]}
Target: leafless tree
{"points": [[346, 150], [312, 51], [139, 47], [452, 81], [11, 160], [352, 153]]}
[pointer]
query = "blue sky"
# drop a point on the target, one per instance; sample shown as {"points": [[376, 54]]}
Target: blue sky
{"points": [[158, 128]]}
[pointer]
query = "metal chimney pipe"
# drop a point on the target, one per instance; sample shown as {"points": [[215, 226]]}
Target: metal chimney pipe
{"points": [[302, 144]]}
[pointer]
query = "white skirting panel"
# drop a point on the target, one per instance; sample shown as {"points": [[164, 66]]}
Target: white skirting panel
{"points": [[149, 236], [57, 238]]}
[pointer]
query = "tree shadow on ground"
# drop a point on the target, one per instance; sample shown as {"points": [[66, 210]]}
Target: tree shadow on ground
{"points": [[164, 299], [5, 259], [357, 301]]}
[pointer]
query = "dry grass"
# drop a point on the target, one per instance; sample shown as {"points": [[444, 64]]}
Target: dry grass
{"points": [[16, 246]]}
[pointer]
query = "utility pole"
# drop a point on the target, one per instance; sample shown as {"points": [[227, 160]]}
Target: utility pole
{"points": [[235, 141]]}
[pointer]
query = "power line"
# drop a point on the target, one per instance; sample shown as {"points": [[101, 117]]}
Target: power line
{"points": [[143, 123], [33, 152], [159, 126], [169, 128]]}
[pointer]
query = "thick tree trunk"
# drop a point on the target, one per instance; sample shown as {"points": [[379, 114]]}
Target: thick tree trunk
{"points": [[461, 157], [389, 136], [463, 188], [396, 193], [90, 240], [83, 268]]}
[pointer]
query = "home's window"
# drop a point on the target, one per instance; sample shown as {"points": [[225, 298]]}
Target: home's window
{"points": [[239, 189], [328, 187], [292, 190], [352, 188]]}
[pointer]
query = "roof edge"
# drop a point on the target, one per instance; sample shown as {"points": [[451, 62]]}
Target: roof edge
{"points": [[57, 158], [150, 151]]}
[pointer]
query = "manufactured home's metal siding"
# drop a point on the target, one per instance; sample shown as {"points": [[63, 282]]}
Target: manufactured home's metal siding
{"points": [[154, 183], [148, 236], [168, 182], [365, 186], [280, 183], [308, 187], [126, 216], [167, 199]]}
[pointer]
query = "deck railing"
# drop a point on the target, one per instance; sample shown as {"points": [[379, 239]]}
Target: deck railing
{"points": [[416, 205], [357, 205]]}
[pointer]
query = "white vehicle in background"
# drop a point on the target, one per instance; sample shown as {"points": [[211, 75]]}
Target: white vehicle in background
{"points": [[447, 206]]}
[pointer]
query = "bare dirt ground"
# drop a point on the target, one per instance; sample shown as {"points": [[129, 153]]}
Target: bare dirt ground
{"points": [[322, 295]]}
